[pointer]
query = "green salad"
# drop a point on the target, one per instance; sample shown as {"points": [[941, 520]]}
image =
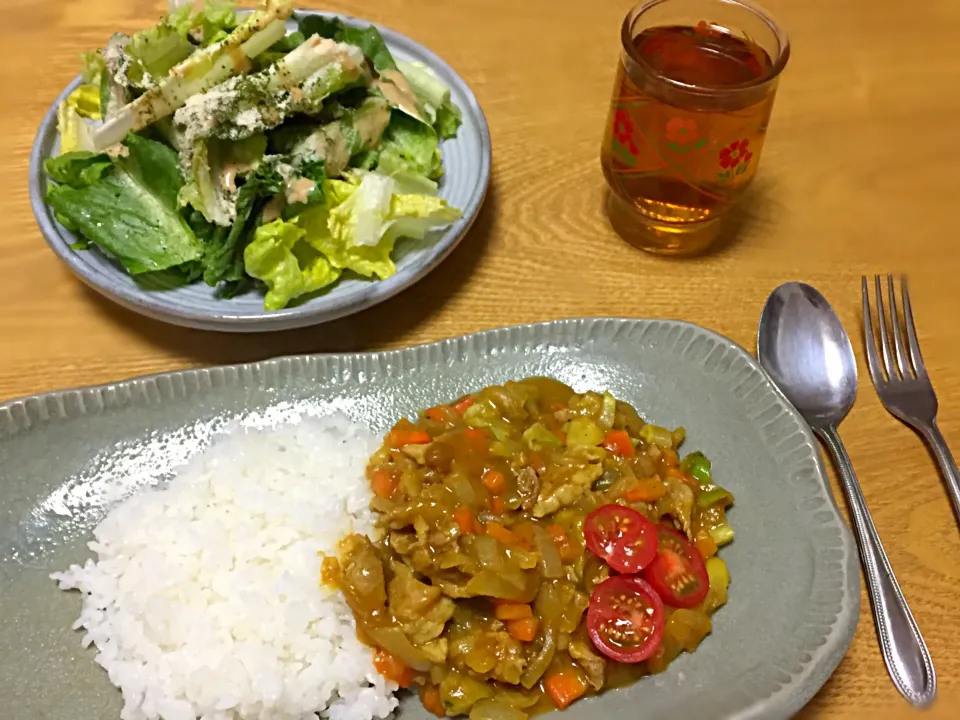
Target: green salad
{"points": [[225, 150]]}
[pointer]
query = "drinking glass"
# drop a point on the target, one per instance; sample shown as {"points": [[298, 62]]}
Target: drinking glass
{"points": [[691, 104]]}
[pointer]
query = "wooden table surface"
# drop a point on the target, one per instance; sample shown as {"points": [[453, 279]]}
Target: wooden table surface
{"points": [[859, 175]]}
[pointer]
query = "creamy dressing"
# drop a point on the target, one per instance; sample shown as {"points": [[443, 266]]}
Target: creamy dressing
{"points": [[298, 191], [370, 123], [273, 209], [336, 153], [397, 91]]}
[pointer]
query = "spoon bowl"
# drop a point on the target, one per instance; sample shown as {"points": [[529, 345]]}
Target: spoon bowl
{"points": [[802, 345]]}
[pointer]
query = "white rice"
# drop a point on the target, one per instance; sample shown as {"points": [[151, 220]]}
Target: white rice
{"points": [[206, 599]]}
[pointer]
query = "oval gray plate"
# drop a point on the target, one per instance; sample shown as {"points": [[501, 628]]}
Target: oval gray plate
{"points": [[794, 598], [467, 174]]}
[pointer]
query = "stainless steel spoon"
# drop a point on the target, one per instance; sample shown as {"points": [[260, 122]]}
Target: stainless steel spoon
{"points": [[806, 352]]}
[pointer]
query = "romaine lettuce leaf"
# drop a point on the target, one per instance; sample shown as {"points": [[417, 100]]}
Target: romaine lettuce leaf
{"points": [[155, 50], [86, 101], [363, 218], [224, 260], [215, 165], [449, 120], [434, 97], [75, 134], [367, 39], [215, 21], [78, 169], [93, 66], [410, 152], [287, 265], [130, 209]]}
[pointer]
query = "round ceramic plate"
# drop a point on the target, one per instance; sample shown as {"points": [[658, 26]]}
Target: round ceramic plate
{"points": [[466, 160], [794, 595]]}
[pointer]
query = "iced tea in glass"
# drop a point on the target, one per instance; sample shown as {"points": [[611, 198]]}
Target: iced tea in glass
{"points": [[690, 109]]}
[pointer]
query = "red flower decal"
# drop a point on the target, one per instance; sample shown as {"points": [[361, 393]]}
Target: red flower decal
{"points": [[681, 130], [735, 153], [623, 130]]}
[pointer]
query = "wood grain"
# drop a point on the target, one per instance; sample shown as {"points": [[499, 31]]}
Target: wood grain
{"points": [[858, 176]]}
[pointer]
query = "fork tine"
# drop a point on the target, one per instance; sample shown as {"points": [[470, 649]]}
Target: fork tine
{"points": [[915, 355], [873, 360], [902, 362], [885, 345]]}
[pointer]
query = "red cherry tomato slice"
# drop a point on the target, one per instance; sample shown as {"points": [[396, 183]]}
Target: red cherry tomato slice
{"points": [[621, 536], [677, 573], [625, 619]]}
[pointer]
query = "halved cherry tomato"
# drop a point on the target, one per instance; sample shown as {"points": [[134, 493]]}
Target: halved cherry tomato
{"points": [[625, 619], [621, 536], [677, 573]]}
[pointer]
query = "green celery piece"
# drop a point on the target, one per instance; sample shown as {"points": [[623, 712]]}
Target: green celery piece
{"points": [[698, 466], [722, 534], [131, 211], [713, 495]]}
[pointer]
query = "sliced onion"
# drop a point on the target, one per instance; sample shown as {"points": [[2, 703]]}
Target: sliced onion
{"points": [[462, 488], [550, 563], [392, 639], [541, 661], [487, 552], [491, 584], [493, 710]]}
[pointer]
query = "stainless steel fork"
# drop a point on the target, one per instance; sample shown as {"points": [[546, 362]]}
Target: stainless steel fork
{"points": [[901, 381]]}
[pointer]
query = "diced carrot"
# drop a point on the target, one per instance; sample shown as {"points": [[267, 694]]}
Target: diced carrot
{"points": [[478, 439], [512, 610], [499, 532], [494, 481], [524, 629], [670, 458], [461, 407], [393, 669], [619, 443], [524, 535], [430, 697], [568, 552], [680, 475], [384, 483], [465, 519], [437, 413], [564, 686], [561, 436], [399, 438], [536, 462], [648, 489], [497, 505], [706, 546]]}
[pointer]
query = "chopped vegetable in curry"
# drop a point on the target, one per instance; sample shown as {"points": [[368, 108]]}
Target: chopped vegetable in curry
{"points": [[538, 545]]}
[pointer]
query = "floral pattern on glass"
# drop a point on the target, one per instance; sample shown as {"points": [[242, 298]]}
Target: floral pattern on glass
{"points": [[681, 135]]}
